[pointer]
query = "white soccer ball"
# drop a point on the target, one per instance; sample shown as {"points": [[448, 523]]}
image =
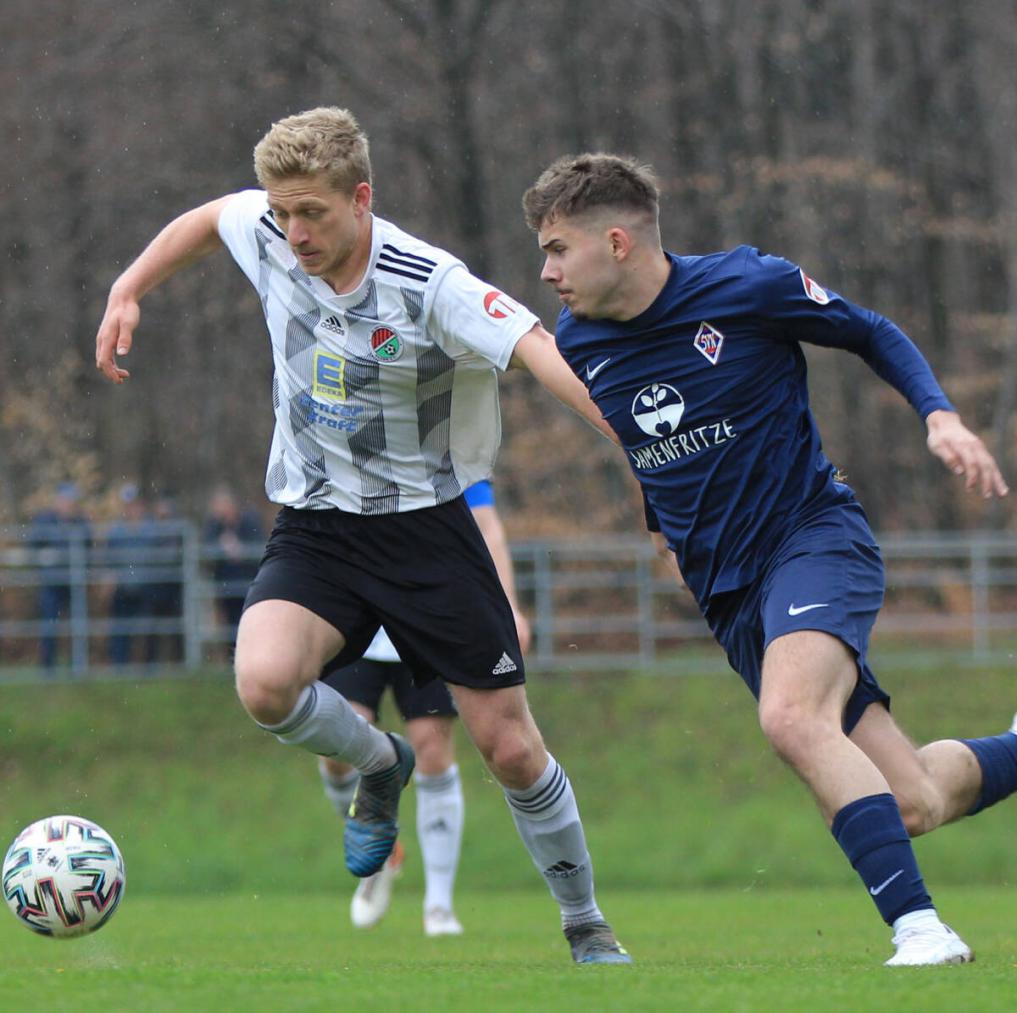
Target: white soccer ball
{"points": [[63, 876]]}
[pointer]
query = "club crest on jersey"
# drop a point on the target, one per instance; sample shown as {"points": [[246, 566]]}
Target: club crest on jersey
{"points": [[815, 292], [658, 409], [386, 344], [499, 305], [708, 341]]}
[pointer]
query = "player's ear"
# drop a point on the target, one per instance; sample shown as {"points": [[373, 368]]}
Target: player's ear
{"points": [[621, 242], [362, 197]]}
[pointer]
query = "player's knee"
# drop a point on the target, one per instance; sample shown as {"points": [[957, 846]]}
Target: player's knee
{"points": [[432, 743], [921, 808], [433, 756], [510, 757], [788, 728], [267, 693]]}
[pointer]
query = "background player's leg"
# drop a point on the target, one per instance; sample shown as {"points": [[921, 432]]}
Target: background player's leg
{"points": [[371, 899], [338, 778], [544, 809], [807, 678], [440, 813]]}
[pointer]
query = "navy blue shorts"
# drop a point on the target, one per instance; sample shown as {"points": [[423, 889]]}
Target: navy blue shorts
{"points": [[426, 575], [366, 680], [826, 575]]}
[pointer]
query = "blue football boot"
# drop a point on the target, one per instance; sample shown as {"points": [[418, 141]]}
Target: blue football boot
{"points": [[372, 824]]}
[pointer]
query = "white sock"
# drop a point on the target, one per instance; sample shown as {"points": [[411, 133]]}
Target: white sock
{"points": [[547, 818], [440, 832], [323, 722], [339, 789]]}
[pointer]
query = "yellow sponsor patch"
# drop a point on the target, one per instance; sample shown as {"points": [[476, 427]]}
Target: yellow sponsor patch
{"points": [[329, 376]]}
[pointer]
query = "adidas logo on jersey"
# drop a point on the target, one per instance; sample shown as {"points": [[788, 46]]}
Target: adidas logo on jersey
{"points": [[504, 666], [333, 324]]}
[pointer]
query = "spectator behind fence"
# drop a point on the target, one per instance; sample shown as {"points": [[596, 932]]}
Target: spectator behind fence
{"points": [[129, 543], [53, 530], [231, 535], [165, 597]]}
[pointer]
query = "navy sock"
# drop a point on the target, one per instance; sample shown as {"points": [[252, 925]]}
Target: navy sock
{"points": [[997, 757], [872, 834]]}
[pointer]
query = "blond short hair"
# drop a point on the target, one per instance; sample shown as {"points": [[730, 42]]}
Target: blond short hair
{"points": [[580, 184], [326, 140]]}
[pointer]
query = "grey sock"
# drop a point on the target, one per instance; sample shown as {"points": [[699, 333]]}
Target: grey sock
{"points": [[547, 818], [323, 722]]}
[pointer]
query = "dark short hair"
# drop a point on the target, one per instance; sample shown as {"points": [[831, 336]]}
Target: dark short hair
{"points": [[576, 184]]}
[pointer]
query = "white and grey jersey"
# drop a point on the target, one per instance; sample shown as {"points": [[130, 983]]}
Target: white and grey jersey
{"points": [[386, 397]]}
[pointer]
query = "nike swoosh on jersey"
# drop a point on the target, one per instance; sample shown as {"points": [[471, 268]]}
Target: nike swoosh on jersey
{"points": [[591, 373], [877, 890], [797, 610]]}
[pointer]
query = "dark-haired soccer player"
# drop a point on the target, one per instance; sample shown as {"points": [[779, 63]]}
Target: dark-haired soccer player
{"points": [[386, 352], [696, 364]]}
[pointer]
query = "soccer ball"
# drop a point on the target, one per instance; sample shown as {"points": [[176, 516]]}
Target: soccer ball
{"points": [[63, 876]]}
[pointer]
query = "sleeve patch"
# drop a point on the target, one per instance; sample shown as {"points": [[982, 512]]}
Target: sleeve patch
{"points": [[815, 292], [499, 305]]}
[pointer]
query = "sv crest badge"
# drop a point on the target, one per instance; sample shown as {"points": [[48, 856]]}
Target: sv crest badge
{"points": [[708, 342]]}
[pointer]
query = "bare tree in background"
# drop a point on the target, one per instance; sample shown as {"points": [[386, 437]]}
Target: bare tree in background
{"points": [[873, 143]]}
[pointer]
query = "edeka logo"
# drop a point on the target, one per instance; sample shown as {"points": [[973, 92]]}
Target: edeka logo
{"points": [[658, 409], [386, 344], [329, 376]]}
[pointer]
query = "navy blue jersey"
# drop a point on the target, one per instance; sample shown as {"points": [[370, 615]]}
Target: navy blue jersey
{"points": [[707, 392]]}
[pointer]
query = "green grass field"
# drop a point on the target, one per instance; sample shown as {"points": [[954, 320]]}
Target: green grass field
{"points": [[717, 950], [711, 861]]}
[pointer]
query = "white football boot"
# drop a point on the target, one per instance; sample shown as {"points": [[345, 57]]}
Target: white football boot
{"points": [[1013, 726], [439, 921], [927, 943], [374, 893]]}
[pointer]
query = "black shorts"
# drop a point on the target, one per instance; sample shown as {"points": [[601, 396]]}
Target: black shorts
{"points": [[366, 680], [425, 574]]}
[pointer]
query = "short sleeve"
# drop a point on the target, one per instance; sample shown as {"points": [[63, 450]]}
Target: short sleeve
{"points": [[237, 222], [467, 313]]}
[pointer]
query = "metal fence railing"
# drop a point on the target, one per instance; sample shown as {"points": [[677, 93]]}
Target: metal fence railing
{"points": [[78, 599]]}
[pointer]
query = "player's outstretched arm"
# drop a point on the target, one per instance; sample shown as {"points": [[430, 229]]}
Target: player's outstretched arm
{"points": [[195, 234], [493, 531], [537, 352], [964, 453]]}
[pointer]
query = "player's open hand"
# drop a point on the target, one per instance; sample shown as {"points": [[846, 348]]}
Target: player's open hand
{"points": [[964, 454], [115, 335]]}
